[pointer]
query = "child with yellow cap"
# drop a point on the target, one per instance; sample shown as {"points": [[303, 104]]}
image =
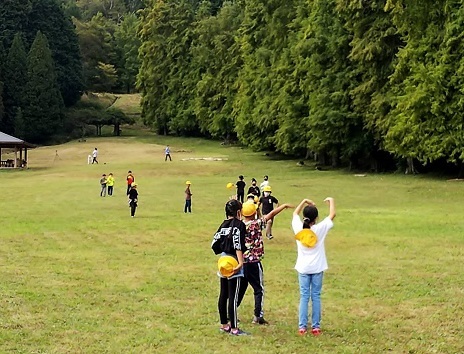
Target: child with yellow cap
{"points": [[267, 202], [252, 267], [311, 262], [188, 198], [229, 242]]}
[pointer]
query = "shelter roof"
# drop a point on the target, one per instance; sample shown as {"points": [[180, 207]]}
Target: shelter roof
{"points": [[10, 141]]}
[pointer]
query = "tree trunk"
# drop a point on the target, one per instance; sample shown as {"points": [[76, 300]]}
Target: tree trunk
{"points": [[410, 169]]}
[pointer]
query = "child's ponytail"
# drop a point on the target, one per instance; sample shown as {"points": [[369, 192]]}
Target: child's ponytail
{"points": [[310, 214]]}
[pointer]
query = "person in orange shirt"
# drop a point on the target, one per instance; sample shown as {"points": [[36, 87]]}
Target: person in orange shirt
{"points": [[130, 179]]}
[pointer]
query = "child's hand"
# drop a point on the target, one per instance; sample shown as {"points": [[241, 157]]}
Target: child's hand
{"points": [[237, 268], [309, 202], [328, 200]]}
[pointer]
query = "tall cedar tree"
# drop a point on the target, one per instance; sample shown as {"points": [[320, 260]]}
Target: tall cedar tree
{"points": [[48, 17], [42, 113], [166, 79], [15, 79], [14, 18]]}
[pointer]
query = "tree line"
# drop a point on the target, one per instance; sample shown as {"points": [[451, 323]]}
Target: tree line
{"points": [[351, 82], [52, 51]]}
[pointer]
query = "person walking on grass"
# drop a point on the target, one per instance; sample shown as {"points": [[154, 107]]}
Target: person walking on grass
{"points": [[229, 242], [252, 267], [240, 189], [311, 262], [94, 156], [167, 153], [267, 202], [188, 198], [133, 199], [254, 189], [110, 184], [130, 179], [103, 182]]}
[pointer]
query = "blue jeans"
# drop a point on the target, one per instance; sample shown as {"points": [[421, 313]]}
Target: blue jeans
{"points": [[310, 288]]}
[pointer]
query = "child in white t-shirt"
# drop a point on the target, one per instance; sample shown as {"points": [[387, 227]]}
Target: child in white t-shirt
{"points": [[311, 262]]}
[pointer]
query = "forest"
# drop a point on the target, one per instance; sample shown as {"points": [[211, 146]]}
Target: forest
{"points": [[364, 84]]}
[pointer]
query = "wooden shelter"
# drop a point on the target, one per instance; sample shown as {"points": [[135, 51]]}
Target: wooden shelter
{"points": [[18, 146]]}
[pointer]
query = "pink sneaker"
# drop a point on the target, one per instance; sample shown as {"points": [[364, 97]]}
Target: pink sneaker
{"points": [[316, 331], [302, 331]]}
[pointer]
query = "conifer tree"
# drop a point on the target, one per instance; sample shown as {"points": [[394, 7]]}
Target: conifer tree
{"points": [[15, 79], [43, 102]]}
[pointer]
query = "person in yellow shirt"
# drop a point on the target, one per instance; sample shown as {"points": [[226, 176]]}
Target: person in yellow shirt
{"points": [[110, 184]]}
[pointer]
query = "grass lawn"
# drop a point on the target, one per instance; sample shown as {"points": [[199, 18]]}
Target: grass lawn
{"points": [[78, 275]]}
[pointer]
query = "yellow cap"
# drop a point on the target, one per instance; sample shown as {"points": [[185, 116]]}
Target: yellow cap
{"points": [[188, 182], [267, 189], [226, 265], [248, 208], [307, 238], [133, 184], [230, 185]]}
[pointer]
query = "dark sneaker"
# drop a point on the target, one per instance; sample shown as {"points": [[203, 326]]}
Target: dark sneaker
{"points": [[270, 237], [259, 320], [316, 331], [238, 332], [225, 329]]}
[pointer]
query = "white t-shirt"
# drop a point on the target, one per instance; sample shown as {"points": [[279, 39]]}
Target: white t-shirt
{"points": [[94, 153], [312, 260], [263, 184]]}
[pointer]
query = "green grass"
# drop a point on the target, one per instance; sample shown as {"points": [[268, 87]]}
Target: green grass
{"points": [[78, 275]]}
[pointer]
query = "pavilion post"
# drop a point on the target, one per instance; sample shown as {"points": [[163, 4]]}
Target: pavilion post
{"points": [[25, 156], [16, 157]]}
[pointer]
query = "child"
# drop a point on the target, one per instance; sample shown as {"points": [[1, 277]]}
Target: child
{"points": [[167, 153], [267, 202], [254, 199], [130, 179], [188, 198], [252, 267], [264, 183], [229, 240], [311, 262], [94, 156], [254, 189], [110, 184], [103, 186], [240, 189], [133, 198]]}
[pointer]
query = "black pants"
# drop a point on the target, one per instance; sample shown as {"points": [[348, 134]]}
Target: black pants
{"points": [[254, 276], [133, 206], [166, 157], [188, 206], [228, 300], [240, 196], [94, 160], [110, 190]]}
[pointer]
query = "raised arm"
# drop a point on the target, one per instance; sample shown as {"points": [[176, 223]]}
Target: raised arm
{"points": [[300, 206], [277, 211], [331, 203]]}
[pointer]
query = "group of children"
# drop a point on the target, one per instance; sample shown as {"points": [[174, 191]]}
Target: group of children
{"points": [[107, 185], [239, 242]]}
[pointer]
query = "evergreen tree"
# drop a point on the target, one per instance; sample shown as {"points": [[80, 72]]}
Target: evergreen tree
{"points": [[2, 107], [43, 102], [20, 128], [15, 79], [48, 17], [14, 18]]}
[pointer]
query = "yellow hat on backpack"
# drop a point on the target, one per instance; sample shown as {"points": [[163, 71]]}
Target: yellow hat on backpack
{"points": [[248, 208], [307, 238], [267, 189], [226, 265]]}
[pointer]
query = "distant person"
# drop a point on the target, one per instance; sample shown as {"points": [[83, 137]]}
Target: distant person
{"points": [[188, 198], [167, 153], [133, 198], [94, 156], [254, 189], [252, 267], [103, 182], [264, 183], [267, 202], [130, 179], [311, 262], [110, 184], [240, 189]]}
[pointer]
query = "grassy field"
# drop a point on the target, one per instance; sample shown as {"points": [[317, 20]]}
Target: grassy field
{"points": [[78, 275]]}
